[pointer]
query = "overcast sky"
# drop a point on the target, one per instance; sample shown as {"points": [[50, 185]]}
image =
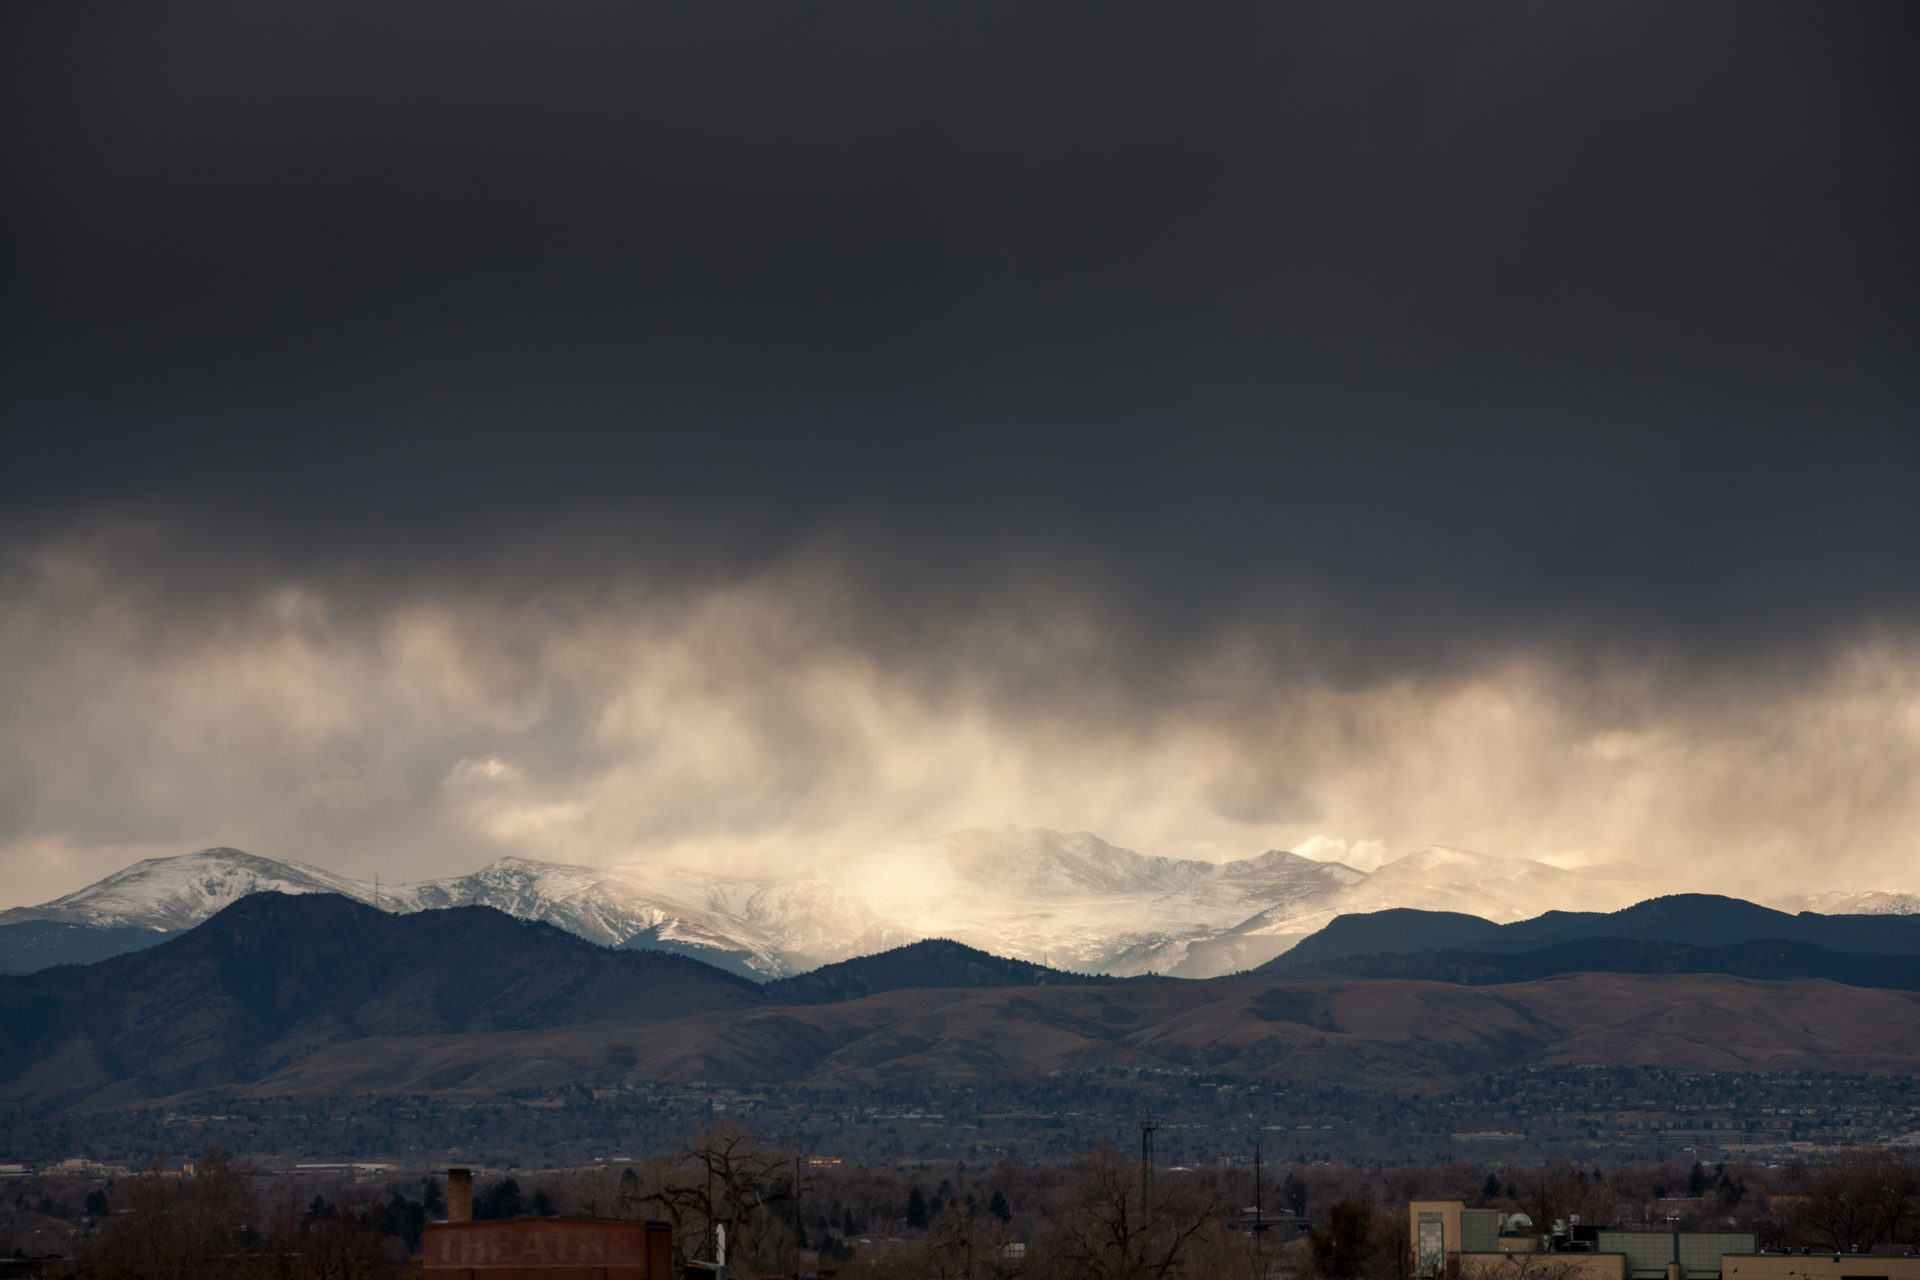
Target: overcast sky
{"points": [[739, 434]]}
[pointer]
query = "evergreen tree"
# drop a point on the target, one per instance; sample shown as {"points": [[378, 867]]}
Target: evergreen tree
{"points": [[403, 1218], [1339, 1244], [626, 1205], [846, 1227], [999, 1208], [916, 1210], [1490, 1189], [1293, 1193], [500, 1199]]}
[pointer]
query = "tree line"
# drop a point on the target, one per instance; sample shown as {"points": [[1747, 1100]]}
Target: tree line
{"points": [[1103, 1217]]}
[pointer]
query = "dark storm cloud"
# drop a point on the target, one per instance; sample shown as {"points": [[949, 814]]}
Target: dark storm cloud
{"points": [[1508, 317], [1260, 798], [735, 434]]}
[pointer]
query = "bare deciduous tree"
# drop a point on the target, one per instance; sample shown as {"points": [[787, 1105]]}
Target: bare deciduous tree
{"points": [[208, 1225], [730, 1175], [339, 1243], [963, 1244], [1110, 1230], [178, 1227], [1858, 1200], [1353, 1242]]}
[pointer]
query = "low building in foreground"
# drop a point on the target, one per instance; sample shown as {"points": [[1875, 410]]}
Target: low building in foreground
{"points": [[1821, 1266], [1450, 1240], [540, 1248]]}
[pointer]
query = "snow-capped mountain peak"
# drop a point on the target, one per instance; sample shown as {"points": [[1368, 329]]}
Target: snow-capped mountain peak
{"points": [[180, 892]]}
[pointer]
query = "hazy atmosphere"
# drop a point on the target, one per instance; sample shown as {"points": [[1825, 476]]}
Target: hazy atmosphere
{"points": [[734, 437]]}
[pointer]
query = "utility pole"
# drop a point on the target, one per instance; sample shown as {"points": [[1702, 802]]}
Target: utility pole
{"points": [[1256, 1191], [1259, 1228], [1147, 1126]]}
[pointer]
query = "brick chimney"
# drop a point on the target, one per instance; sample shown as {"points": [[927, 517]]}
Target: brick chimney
{"points": [[459, 1195]]}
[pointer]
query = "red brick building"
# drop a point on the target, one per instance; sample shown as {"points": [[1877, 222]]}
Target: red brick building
{"points": [[540, 1248], [548, 1249]]}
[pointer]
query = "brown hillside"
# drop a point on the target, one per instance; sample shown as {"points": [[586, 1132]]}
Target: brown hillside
{"points": [[1376, 1034]]}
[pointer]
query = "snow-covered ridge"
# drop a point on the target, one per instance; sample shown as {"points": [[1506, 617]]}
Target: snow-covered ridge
{"points": [[1070, 900], [1871, 903], [178, 893]]}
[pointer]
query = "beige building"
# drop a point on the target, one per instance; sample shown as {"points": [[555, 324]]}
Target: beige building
{"points": [[1820, 1266], [1442, 1227], [1450, 1240]]}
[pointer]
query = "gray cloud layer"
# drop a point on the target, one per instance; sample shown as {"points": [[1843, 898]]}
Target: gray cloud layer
{"points": [[755, 723]]}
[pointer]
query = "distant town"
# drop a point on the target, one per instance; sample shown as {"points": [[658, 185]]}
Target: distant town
{"points": [[1606, 1114]]}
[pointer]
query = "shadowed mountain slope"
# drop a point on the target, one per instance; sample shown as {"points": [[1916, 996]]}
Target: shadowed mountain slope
{"points": [[273, 977], [1395, 929], [1766, 959], [1688, 919], [1374, 1035], [31, 945], [937, 963]]}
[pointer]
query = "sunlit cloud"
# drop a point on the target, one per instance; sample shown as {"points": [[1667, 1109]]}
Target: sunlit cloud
{"points": [[1361, 855], [755, 724]]}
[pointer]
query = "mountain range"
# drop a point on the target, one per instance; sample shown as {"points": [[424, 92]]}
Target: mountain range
{"points": [[282, 995], [1068, 900], [1063, 900]]}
